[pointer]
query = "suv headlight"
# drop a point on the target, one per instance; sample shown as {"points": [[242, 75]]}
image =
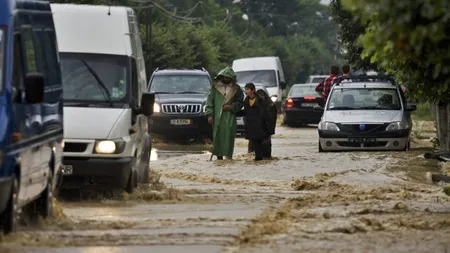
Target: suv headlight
{"points": [[328, 126], [156, 107], [274, 98], [396, 126], [204, 108], [110, 146]]}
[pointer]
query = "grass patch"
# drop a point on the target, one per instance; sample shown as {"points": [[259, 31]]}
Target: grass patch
{"points": [[423, 112]]}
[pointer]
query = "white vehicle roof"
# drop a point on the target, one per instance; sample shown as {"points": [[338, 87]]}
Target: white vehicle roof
{"points": [[92, 29], [256, 63], [318, 76]]}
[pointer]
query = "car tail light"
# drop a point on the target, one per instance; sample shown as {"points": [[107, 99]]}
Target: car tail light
{"points": [[289, 103], [309, 98]]}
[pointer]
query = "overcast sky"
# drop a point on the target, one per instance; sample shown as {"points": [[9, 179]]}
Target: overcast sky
{"points": [[325, 1]]}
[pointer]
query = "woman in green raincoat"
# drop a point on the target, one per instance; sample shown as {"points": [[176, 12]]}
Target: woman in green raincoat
{"points": [[224, 100]]}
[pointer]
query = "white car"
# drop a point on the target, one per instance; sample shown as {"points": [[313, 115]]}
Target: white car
{"points": [[369, 113]]}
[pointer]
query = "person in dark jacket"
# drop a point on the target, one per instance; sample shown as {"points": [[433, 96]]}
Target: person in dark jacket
{"points": [[255, 111], [270, 121]]}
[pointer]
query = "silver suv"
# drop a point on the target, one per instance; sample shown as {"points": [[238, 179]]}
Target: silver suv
{"points": [[365, 113]]}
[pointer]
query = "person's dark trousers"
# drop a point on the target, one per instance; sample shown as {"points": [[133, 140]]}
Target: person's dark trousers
{"points": [[267, 147], [257, 147]]}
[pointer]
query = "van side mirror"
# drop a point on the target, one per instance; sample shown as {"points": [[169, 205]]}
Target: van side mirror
{"points": [[318, 108], [283, 85], [147, 101], [411, 108], [34, 88]]}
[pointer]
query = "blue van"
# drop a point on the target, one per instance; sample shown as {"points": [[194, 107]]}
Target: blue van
{"points": [[31, 129]]}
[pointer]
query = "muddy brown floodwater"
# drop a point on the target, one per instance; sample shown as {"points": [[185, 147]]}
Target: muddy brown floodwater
{"points": [[301, 201]]}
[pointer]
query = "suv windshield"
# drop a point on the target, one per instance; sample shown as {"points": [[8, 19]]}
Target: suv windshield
{"points": [[179, 84], [364, 99], [2, 56], [303, 91], [94, 77], [266, 77]]}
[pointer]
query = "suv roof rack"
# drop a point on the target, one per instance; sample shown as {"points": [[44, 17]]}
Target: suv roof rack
{"points": [[204, 70], [366, 78], [156, 70]]}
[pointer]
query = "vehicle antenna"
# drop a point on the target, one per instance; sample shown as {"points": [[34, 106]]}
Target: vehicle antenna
{"points": [[109, 10]]}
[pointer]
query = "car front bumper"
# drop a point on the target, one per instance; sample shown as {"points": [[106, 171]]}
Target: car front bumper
{"points": [[161, 123], [111, 173], [240, 125], [339, 141]]}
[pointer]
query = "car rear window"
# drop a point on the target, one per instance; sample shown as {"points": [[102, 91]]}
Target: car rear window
{"points": [[318, 79], [303, 91]]}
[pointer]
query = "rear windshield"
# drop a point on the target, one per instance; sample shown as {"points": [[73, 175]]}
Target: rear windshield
{"points": [[364, 99], [2, 56], [318, 79], [303, 91], [172, 84]]}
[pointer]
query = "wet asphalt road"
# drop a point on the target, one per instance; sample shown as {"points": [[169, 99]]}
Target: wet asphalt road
{"points": [[300, 201]]}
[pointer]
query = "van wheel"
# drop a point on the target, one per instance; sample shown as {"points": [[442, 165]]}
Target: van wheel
{"points": [[44, 204], [131, 182], [146, 172], [9, 218]]}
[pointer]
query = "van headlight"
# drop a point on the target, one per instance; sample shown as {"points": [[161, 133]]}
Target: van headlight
{"points": [[396, 126], [274, 98], [110, 146], [328, 126], [156, 107]]}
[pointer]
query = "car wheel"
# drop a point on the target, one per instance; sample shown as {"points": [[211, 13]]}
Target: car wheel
{"points": [[407, 146], [131, 182], [44, 204], [9, 218]]}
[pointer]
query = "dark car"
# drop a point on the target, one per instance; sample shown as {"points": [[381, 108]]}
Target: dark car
{"points": [[180, 102], [298, 108]]}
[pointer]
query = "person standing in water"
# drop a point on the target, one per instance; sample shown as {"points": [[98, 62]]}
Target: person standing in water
{"points": [[224, 101]]}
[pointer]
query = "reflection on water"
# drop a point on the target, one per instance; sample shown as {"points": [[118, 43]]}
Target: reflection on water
{"points": [[159, 154]]}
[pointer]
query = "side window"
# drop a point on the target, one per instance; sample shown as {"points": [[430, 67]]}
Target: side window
{"points": [[18, 70], [30, 50], [134, 83]]}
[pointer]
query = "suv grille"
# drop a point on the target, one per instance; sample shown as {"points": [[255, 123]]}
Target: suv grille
{"points": [[181, 108]]}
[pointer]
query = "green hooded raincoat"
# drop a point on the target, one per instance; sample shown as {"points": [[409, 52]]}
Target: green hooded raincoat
{"points": [[224, 129]]}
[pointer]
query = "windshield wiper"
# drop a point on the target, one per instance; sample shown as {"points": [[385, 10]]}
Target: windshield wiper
{"points": [[100, 83], [162, 92], [342, 108], [189, 92]]}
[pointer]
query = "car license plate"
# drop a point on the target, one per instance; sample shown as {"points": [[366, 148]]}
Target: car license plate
{"points": [[180, 122], [67, 170], [362, 139], [309, 104]]}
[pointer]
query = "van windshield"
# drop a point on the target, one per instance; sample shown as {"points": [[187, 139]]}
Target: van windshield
{"points": [[2, 56], [94, 77], [267, 77], [364, 99]]}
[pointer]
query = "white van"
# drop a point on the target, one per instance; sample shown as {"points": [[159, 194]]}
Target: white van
{"points": [[105, 101], [266, 70]]}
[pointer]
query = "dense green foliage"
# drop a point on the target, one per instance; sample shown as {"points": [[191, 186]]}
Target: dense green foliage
{"points": [[407, 38], [212, 33]]}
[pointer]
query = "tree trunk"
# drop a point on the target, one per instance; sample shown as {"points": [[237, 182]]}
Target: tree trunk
{"points": [[442, 125]]}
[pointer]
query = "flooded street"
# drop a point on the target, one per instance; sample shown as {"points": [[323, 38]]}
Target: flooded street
{"points": [[301, 201]]}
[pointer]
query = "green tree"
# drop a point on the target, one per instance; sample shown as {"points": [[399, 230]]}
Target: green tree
{"points": [[409, 39]]}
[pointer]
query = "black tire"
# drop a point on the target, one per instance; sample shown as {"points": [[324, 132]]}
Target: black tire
{"points": [[407, 146], [44, 204], [146, 172], [9, 218], [320, 148], [131, 186]]}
